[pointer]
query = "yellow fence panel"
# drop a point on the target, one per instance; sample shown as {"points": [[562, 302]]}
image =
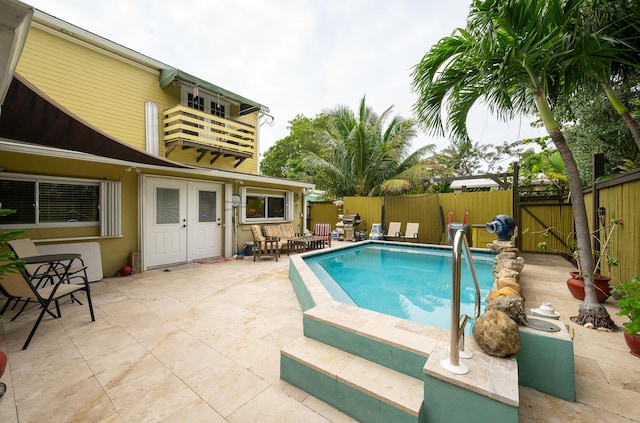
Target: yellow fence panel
{"points": [[623, 202], [323, 212], [620, 201]]}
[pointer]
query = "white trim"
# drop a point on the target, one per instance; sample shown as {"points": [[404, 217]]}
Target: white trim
{"points": [[287, 195], [37, 179], [228, 221], [151, 128], [110, 209]]}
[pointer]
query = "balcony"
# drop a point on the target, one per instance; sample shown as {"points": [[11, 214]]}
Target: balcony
{"points": [[208, 134]]}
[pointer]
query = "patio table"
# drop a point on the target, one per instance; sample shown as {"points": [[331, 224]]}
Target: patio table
{"points": [[304, 243]]}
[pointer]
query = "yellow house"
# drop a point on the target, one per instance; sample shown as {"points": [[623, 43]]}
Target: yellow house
{"points": [[105, 149]]}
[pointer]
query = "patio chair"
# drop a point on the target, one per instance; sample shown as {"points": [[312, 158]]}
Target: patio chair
{"points": [[288, 232], [275, 231], [394, 231], [323, 230], [25, 247], [264, 246], [412, 232], [42, 273], [18, 286]]}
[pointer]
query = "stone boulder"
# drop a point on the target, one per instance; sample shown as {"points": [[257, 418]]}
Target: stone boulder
{"points": [[497, 334], [516, 264], [513, 305], [508, 273]]}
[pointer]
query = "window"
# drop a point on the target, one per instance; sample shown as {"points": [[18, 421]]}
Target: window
{"points": [[56, 202], [263, 205]]}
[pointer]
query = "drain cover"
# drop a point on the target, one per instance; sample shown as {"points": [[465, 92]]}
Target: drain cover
{"points": [[542, 325]]}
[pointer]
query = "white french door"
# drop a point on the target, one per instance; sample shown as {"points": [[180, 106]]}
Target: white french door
{"points": [[182, 221], [166, 222], [204, 229]]}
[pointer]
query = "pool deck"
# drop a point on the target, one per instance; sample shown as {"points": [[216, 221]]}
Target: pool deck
{"points": [[201, 342]]}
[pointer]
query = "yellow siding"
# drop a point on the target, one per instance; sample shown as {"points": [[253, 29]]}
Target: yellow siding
{"points": [[108, 92], [249, 165]]}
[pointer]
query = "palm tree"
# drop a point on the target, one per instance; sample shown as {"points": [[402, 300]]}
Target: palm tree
{"points": [[619, 20], [512, 54], [361, 153]]}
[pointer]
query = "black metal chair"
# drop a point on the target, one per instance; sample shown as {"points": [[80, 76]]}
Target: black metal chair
{"points": [[18, 286], [25, 247]]}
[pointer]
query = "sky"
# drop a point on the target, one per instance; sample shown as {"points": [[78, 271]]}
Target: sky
{"points": [[293, 56]]}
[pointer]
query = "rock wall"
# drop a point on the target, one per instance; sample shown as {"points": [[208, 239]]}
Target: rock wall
{"points": [[496, 330]]}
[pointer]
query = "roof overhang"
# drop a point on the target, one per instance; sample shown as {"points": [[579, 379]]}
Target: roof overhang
{"points": [[31, 116], [15, 19], [215, 174], [168, 76]]}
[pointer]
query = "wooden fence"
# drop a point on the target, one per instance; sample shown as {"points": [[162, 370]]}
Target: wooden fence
{"points": [[620, 197]]}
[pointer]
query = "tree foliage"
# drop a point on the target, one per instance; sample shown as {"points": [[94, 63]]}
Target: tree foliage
{"points": [[283, 159], [8, 262], [363, 149], [516, 55], [594, 126]]}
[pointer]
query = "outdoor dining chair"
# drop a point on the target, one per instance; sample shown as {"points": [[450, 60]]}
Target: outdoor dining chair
{"points": [[18, 286]]}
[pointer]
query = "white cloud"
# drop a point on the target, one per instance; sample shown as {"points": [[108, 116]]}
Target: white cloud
{"points": [[296, 57]]}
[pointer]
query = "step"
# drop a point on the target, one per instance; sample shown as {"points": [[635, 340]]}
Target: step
{"points": [[358, 387]]}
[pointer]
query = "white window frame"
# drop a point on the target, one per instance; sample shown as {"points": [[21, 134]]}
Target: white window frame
{"points": [[267, 193], [108, 203]]}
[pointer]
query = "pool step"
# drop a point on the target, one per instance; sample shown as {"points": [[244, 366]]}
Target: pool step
{"points": [[358, 387]]}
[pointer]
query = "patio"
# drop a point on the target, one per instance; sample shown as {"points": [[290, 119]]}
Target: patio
{"points": [[201, 342]]}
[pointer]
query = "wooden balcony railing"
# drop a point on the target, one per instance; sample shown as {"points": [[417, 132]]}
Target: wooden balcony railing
{"points": [[208, 134]]}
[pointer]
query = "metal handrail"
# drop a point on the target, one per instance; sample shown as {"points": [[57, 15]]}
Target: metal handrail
{"points": [[457, 327]]}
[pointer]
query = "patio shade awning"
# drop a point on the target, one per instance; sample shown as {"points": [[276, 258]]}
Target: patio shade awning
{"points": [[167, 76], [31, 116]]}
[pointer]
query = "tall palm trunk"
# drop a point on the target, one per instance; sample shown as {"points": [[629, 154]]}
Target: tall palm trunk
{"points": [[590, 311], [624, 113]]}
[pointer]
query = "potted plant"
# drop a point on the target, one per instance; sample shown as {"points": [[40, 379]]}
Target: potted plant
{"points": [[576, 282], [7, 264], [629, 302], [602, 282]]}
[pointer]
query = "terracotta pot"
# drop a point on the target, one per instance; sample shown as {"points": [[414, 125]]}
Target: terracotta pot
{"points": [[576, 287], [3, 362], [633, 342]]}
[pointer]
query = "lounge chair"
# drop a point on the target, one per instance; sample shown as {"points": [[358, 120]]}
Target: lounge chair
{"points": [[394, 231], [18, 286], [412, 232]]}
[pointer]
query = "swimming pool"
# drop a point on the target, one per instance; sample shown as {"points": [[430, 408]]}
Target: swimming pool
{"points": [[409, 282]]}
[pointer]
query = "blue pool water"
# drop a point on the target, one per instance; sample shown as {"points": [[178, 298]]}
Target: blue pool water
{"points": [[408, 282]]}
